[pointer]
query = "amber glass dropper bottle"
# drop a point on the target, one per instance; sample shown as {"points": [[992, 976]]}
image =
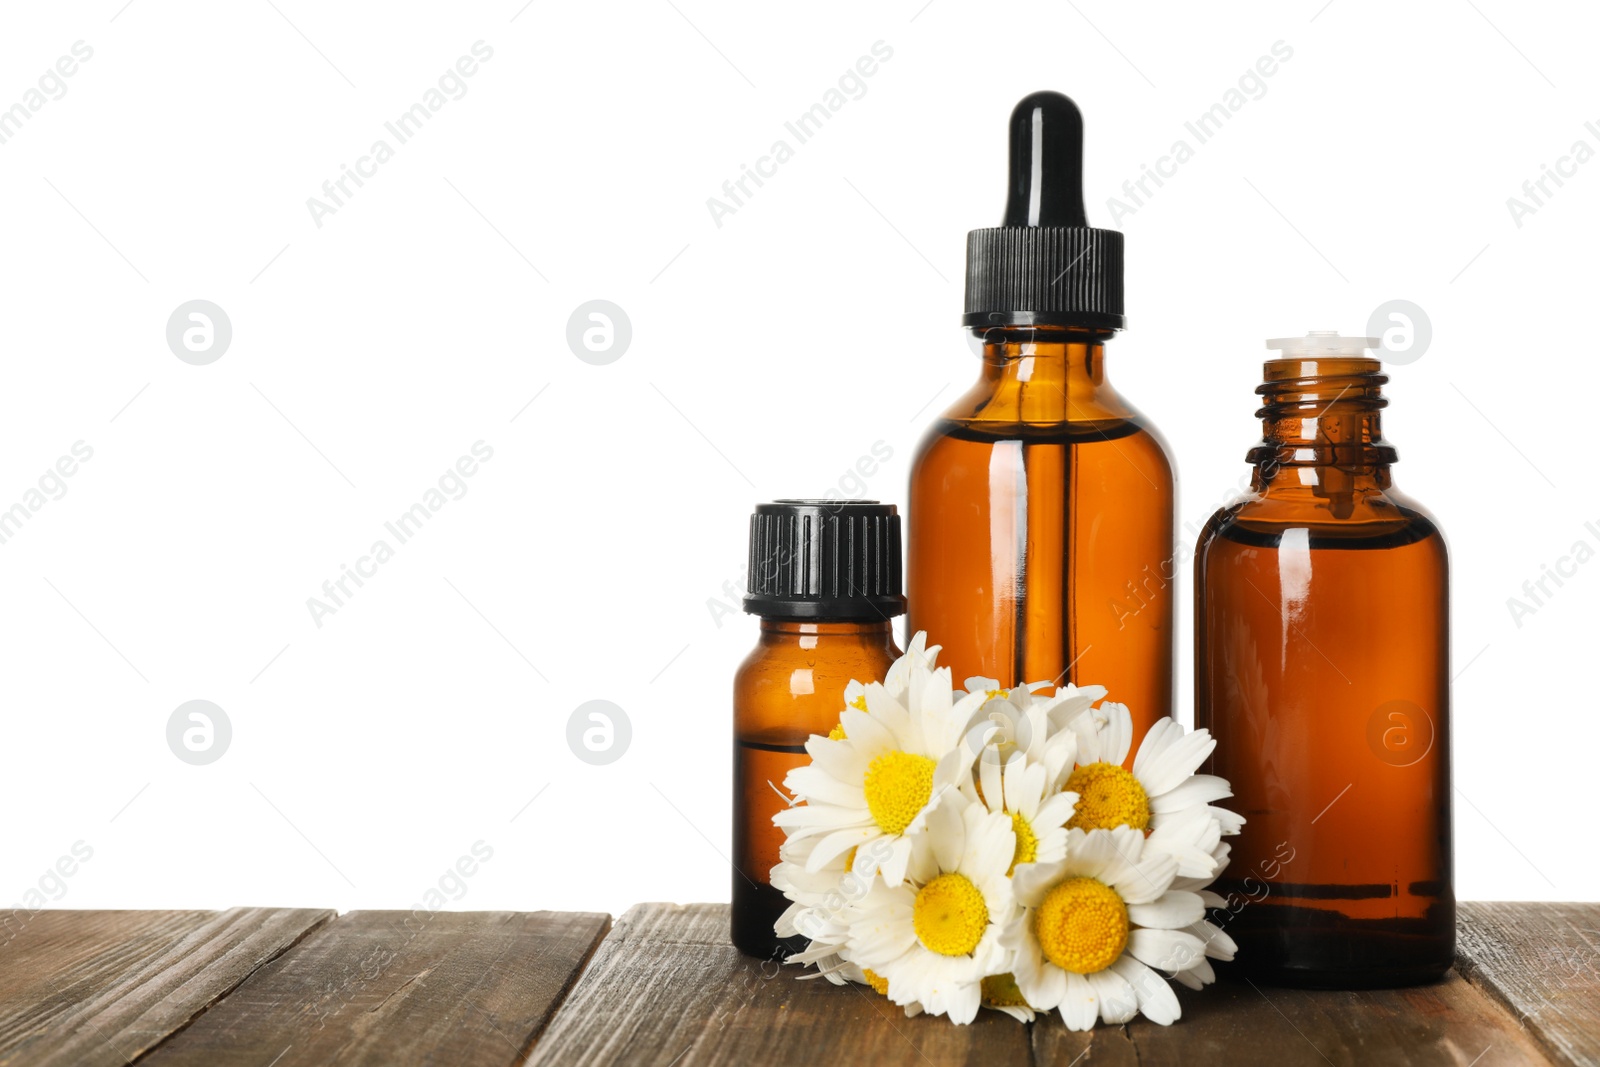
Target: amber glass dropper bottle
{"points": [[825, 580], [1322, 669], [1041, 529]]}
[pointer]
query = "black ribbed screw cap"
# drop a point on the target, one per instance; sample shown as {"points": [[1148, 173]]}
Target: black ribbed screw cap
{"points": [[825, 559], [1045, 265]]}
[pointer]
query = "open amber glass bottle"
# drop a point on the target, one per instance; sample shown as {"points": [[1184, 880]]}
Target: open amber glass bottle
{"points": [[1322, 668], [825, 579], [1041, 519]]}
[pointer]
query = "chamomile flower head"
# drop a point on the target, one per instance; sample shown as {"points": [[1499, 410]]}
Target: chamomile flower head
{"points": [[935, 937], [1025, 793], [1093, 925], [1161, 795], [898, 758]]}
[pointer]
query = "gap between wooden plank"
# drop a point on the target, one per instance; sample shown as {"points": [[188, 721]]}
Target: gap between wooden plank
{"points": [[561, 997], [322, 921], [99, 989]]}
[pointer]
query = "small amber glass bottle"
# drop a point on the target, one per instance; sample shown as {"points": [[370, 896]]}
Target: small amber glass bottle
{"points": [[1041, 537], [825, 579], [1322, 668]]}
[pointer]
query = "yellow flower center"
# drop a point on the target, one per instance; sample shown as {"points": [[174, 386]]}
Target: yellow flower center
{"points": [[1082, 926], [876, 981], [993, 694], [837, 733], [1027, 849], [1108, 796], [860, 702], [898, 785], [1000, 991], [950, 916]]}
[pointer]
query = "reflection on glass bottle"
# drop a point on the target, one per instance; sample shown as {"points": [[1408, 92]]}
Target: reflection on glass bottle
{"points": [[1322, 668]]}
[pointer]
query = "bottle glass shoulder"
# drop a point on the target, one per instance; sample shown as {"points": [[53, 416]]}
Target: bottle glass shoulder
{"points": [[1362, 518]]}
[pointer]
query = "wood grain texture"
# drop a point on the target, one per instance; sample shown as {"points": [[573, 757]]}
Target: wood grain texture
{"points": [[101, 988], [291, 988], [666, 988], [383, 988], [1243, 1025], [1542, 961]]}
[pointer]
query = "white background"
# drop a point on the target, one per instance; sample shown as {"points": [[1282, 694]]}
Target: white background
{"points": [[768, 355]]}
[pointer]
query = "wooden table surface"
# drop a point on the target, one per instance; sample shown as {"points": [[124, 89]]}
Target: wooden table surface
{"points": [[284, 987]]}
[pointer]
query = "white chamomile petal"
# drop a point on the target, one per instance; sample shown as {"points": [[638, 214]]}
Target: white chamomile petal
{"points": [[1117, 736], [836, 844], [1156, 1000], [1055, 811], [917, 655], [807, 819], [817, 785], [845, 761], [1079, 1004], [1118, 1002], [1196, 789], [1146, 880], [1173, 909], [870, 733], [1189, 842], [1197, 977], [1217, 944], [1166, 950], [1072, 701], [1177, 756], [893, 868]]}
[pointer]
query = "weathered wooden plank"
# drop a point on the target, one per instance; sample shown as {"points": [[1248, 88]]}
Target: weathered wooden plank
{"points": [[98, 989], [667, 988], [285, 987], [382, 988], [1542, 961], [1244, 1025]]}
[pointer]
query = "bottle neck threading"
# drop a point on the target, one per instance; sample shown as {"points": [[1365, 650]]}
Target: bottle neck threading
{"points": [[1321, 414]]}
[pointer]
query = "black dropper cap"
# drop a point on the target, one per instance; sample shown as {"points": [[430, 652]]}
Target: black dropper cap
{"points": [[825, 559], [1045, 265]]}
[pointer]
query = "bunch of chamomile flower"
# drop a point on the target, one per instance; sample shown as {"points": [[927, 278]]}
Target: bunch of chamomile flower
{"points": [[956, 850]]}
